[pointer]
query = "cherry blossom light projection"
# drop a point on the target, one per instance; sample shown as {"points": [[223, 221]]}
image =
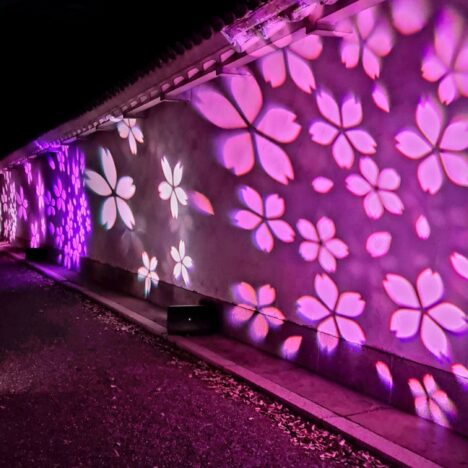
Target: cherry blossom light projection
{"points": [[316, 189]]}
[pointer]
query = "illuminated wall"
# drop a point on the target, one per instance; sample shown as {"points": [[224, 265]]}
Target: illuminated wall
{"points": [[321, 192]]}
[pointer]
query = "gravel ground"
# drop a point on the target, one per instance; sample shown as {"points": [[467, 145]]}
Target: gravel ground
{"points": [[81, 387]]}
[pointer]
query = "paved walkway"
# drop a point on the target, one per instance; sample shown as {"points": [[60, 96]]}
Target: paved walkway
{"points": [[77, 391]]}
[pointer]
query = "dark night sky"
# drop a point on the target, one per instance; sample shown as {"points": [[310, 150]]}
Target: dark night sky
{"points": [[59, 56]]}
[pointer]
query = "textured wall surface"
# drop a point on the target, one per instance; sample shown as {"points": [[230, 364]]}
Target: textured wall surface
{"points": [[321, 191]]}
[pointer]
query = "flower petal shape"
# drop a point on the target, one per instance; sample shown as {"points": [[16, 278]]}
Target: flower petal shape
{"points": [[405, 322], [266, 295], [109, 213], [389, 179], [343, 152], [429, 120], [108, 166], [391, 202], [378, 243], [175, 255], [362, 141], [125, 213], [258, 329], [337, 247], [263, 238], [423, 229], [358, 185], [310, 47], [430, 175], [351, 111], [322, 184], [449, 317], [460, 264], [373, 205], [350, 304], [165, 190], [325, 228], [430, 287], [311, 308], [245, 90], [274, 206], [238, 153], [273, 68], [181, 195], [240, 315], [216, 108], [456, 167], [350, 330], [279, 124], [326, 289], [323, 133], [309, 251], [412, 145], [401, 291], [282, 230], [246, 219], [307, 230], [327, 260], [455, 137], [178, 170], [370, 63], [301, 73], [251, 199], [97, 183], [125, 188], [328, 107], [244, 293], [380, 97], [369, 170], [274, 160], [434, 338], [167, 170], [174, 205], [350, 52]]}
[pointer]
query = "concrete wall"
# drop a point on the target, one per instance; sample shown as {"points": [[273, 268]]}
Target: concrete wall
{"points": [[319, 193]]}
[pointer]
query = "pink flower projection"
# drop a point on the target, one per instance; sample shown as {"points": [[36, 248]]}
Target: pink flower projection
{"points": [[440, 147], [384, 373], [35, 238], [460, 264], [380, 97], [322, 184], [49, 202], [60, 195], [116, 191], [253, 134], [292, 58], [409, 16], [201, 203], [334, 311], [377, 188], [461, 374], [249, 301], [423, 311], [341, 129], [378, 243], [129, 129], [423, 229], [370, 41], [28, 171], [320, 242], [40, 192], [430, 402], [447, 61], [263, 217], [290, 347], [23, 204]]}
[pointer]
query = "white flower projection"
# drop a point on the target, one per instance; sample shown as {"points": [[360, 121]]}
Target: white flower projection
{"points": [[334, 312], [170, 189], [341, 131], [423, 311], [147, 272], [183, 263], [377, 188], [117, 192], [320, 242], [129, 129]]}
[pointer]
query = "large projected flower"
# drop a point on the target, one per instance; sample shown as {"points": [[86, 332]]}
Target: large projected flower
{"points": [[23, 204], [263, 217], [340, 130], [430, 402], [116, 191], [440, 147], [183, 262], [147, 272], [447, 62], [254, 134], [334, 312], [292, 58], [371, 40], [423, 311], [249, 301], [28, 171], [170, 189], [377, 189], [321, 242], [128, 128]]}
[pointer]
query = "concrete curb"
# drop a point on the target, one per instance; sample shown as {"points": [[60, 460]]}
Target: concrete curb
{"points": [[385, 448]]}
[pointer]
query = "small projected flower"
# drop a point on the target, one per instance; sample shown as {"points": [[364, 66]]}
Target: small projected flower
{"points": [[320, 242], [170, 189], [60, 195], [423, 311], [147, 272], [263, 217], [341, 131], [377, 188], [35, 239], [28, 171], [128, 128], [183, 263], [49, 202], [117, 192], [334, 311], [430, 402], [23, 204], [40, 192]]}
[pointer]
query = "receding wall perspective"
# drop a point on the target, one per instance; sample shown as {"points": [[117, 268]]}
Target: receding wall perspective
{"points": [[319, 193]]}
